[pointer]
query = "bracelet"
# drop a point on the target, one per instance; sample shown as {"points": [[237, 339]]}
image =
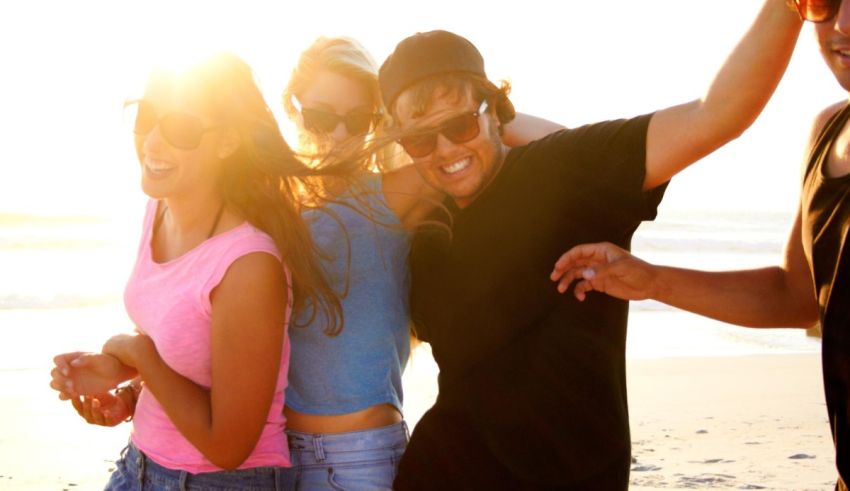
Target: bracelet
{"points": [[133, 391]]}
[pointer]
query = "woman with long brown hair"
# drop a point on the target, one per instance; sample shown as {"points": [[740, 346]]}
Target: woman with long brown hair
{"points": [[224, 260]]}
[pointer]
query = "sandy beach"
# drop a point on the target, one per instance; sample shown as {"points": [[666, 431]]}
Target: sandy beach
{"points": [[753, 421]]}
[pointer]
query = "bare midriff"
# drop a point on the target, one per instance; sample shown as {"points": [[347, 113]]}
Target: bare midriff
{"points": [[366, 419]]}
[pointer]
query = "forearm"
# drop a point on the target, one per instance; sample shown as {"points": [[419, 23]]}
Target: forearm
{"points": [[679, 136], [753, 298], [745, 83], [187, 404], [189, 407]]}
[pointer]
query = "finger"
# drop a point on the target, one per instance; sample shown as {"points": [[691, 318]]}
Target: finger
{"points": [[87, 412], [568, 278], [57, 381], [62, 364], [97, 412], [583, 252], [559, 271], [78, 405], [80, 362], [581, 289], [59, 386], [65, 388]]}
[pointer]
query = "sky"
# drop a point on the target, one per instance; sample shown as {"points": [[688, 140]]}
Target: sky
{"points": [[68, 66]]}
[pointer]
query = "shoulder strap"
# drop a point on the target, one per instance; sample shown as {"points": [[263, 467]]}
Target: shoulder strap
{"points": [[828, 133]]}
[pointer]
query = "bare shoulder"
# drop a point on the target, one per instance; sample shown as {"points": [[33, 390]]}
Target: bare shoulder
{"points": [[823, 117], [256, 276]]}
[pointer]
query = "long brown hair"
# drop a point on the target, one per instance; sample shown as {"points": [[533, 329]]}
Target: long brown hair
{"points": [[260, 180]]}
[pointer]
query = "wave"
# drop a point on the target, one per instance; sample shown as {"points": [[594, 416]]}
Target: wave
{"points": [[699, 245]]}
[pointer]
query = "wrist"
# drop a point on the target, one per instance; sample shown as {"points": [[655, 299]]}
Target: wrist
{"points": [[659, 288], [129, 349], [129, 394]]}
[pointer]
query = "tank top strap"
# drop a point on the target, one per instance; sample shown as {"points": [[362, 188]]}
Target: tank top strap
{"points": [[827, 135]]}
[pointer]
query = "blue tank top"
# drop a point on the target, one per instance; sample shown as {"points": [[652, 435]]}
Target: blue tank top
{"points": [[362, 366]]}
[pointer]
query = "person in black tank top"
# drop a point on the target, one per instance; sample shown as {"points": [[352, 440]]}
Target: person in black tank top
{"points": [[813, 283]]}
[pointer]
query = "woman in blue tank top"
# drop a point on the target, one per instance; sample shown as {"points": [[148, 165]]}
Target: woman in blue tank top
{"points": [[344, 399]]}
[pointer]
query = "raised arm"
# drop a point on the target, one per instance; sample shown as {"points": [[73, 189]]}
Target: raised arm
{"points": [[248, 326], [778, 296], [680, 135]]}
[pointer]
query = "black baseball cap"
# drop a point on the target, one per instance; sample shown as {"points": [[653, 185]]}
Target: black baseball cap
{"points": [[423, 55]]}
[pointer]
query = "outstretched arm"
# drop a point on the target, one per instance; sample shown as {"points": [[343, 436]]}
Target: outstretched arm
{"points": [[779, 296], [680, 135], [225, 421]]}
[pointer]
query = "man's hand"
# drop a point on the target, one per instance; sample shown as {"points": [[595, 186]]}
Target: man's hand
{"points": [[606, 268]]}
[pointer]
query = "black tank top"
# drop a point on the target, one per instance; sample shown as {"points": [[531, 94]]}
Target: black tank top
{"points": [[825, 207]]}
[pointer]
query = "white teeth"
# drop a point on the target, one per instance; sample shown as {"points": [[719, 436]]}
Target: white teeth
{"points": [[157, 165], [456, 167]]}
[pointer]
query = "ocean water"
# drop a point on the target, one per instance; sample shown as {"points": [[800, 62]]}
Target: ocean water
{"points": [[61, 281], [715, 241]]}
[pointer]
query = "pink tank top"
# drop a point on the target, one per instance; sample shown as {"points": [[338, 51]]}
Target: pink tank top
{"points": [[170, 302]]}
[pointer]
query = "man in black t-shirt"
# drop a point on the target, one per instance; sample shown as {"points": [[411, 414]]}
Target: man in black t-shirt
{"points": [[532, 384], [812, 284]]}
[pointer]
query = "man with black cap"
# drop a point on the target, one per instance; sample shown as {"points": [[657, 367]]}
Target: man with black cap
{"points": [[532, 383]]}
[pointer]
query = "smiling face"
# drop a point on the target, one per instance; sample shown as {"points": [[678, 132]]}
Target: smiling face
{"points": [[461, 170], [834, 39], [168, 169]]}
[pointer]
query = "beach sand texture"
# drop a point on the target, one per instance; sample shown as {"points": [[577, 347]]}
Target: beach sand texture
{"points": [[741, 422]]}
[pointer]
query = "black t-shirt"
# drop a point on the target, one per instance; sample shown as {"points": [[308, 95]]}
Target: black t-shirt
{"points": [[532, 382], [825, 206]]}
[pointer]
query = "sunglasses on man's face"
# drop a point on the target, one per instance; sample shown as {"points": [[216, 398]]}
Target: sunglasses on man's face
{"points": [[357, 122], [817, 10], [180, 130], [459, 129]]}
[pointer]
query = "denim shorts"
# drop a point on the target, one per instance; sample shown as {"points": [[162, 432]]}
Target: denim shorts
{"points": [[136, 471], [356, 460]]}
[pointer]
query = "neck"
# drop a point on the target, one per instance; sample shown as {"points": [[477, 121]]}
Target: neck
{"points": [[192, 215]]}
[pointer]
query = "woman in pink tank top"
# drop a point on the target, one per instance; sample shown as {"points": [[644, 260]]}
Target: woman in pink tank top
{"points": [[224, 259]]}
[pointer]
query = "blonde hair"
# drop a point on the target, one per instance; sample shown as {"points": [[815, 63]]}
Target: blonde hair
{"points": [[346, 57]]}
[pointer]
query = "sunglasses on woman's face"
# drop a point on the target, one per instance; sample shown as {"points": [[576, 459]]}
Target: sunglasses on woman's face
{"points": [[459, 129], [180, 130], [357, 122], [817, 10]]}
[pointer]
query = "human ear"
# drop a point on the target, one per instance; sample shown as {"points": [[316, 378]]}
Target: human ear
{"points": [[228, 144]]}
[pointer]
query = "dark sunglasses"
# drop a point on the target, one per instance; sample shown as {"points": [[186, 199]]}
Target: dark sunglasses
{"points": [[357, 122], [459, 129], [180, 130], [817, 10]]}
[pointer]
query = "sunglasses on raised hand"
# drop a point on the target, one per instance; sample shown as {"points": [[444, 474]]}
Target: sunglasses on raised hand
{"points": [[180, 130], [357, 122], [817, 10], [459, 129]]}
